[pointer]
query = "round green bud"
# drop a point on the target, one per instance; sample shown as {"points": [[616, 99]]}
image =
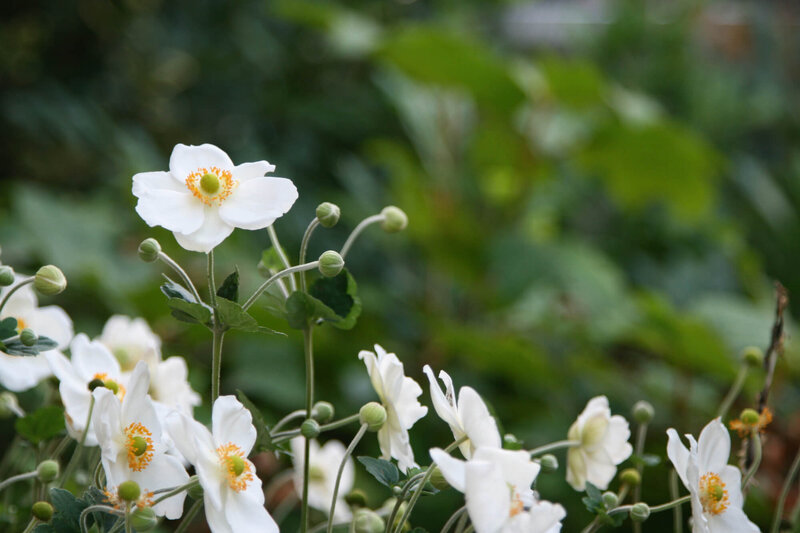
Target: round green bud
{"points": [[630, 476], [48, 471], [6, 276], [356, 498], [309, 428], [643, 412], [28, 337], [9, 406], [330, 263], [42, 511], [96, 382], [753, 356], [143, 519], [49, 280], [640, 512], [549, 463], [373, 415], [437, 479], [394, 219], [367, 521], [328, 214], [511, 442], [149, 250], [610, 500], [749, 417], [129, 491], [322, 411], [195, 492]]}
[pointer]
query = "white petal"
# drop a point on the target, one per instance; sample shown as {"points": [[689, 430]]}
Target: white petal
{"points": [[245, 511], [713, 447], [248, 171], [487, 495], [138, 407], [187, 159], [576, 469], [732, 478], [452, 469], [444, 408], [515, 465], [211, 232], [479, 425], [20, 373], [53, 322], [215, 516], [231, 422], [107, 425], [163, 472], [371, 362], [258, 202], [733, 520], [615, 441], [162, 203], [91, 357]]}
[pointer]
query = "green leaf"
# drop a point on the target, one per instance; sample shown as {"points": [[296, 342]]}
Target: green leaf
{"points": [[593, 499], [94, 496], [43, 344], [8, 327], [172, 289], [340, 294], [187, 311], [649, 459], [233, 316], [270, 262], [42, 424], [302, 309], [230, 287], [384, 471], [68, 508], [263, 438]]}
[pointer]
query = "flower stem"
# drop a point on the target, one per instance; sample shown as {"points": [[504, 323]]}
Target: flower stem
{"points": [[216, 361], [212, 285], [347, 454], [656, 509], [128, 528], [177, 490], [181, 274], [677, 513], [299, 268], [14, 289], [190, 514], [76, 457], [736, 388], [641, 435], [286, 419], [308, 349], [554, 446], [30, 526], [755, 438], [93, 509], [304, 247], [19, 477], [357, 231], [453, 518], [408, 486], [273, 237], [283, 436], [787, 484]]}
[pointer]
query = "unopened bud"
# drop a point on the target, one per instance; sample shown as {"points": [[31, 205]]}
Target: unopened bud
{"points": [[437, 479], [28, 337], [49, 280], [143, 519], [47, 471], [643, 411], [328, 214], [9, 406], [330, 263], [322, 411], [394, 219], [753, 356], [511, 442], [129, 491], [630, 476], [640, 512], [373, 415], [309, 428], [149, 250], [367, 521], [749, 417], [195, 492], [6, 276], [356, 498], [42, 511], [610, 500], [548, 462]]}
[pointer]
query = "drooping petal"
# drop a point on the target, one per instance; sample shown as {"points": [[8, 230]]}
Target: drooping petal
{"points": [[208, 235], [107, 426], [444, 407], [371, 362], [187, 159], [231, 422], [713, 447], [576, 469], [479, 425], [258, 202], [452, 469], [487, 495], [164, 202]]}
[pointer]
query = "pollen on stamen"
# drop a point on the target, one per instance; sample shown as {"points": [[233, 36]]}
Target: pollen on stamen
{"points": [[516, 506], [209, 195], [237, 468], [713, 495], [139, 444]]}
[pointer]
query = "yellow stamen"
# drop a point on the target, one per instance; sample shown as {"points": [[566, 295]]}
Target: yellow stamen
{"points": [[139, 443], [745, 429], [21, 324], [713, 495], [211, 185], [237, 468]]}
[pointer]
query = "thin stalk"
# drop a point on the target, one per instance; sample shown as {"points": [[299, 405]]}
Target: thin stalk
{"points": [[212, 285], [347, 454], [677, 513], [656, 509], [189, 516], [299, 268], [273, 237], [61, 447], [14, 289], [30, 526], [407, 487], [216, 360], [787, 484], [93, 509], [357, 231], [98, 471], [641, 435], [18, 477], [308, 349], [755, 438], [286, 419], [453, 518], [76, 457], [304, 247], [181, 274], [128, 528], [462, 522], [177, 490], [554, 446], [734, 391], [286, 435]]}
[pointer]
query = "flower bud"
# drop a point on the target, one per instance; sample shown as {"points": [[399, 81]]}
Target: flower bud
{"points": [[630, 476], [367, 521], [356, 498], [640, 512], [9, 406], [195, 492], [643, 412], [753, 356], [47, 471], [394, 219], [28, 337], [373, 415], [548, 462], [143, 519], [42, 511], [330, 263], [749, 417], [437, 479], [511, 442], [309, 428], [129, 491], [6, 276], [328, 214], [322, 411], [610, 500], [49, 280], [149, 250]]}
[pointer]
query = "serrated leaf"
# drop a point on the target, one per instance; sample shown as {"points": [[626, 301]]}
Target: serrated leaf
{"points": [[41, 425], [233, 316], [263, 438], [68, 508], [230, 287], [340, 294], [171, 289], [8, 327], [385, 472], [185, 311]]}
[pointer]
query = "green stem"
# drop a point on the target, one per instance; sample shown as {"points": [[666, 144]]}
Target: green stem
{"points": [[734, 391], [273, 237], [677, 513], [304, 247], [212, 285], [30, 526], [14, 289], [407, 487], [641, 435], [308, 349], [181, 274], [554, 446], [190, 514], [128, 528], [347, 454], [756, 440], [357, 231], [216, 361], [98, 471], [453, 518], [288, 435], [18, 477], [193, 481], [656, 509], [76, 457], [93, 509], [286, 419], [264, 286], [787, 484]]}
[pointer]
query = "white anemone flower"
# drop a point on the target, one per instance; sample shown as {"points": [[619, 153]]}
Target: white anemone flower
{"points": [[131, 443], [398, 395], [714, 485], [496, 484], [19, 373], [603, 445], [467, 414], [324, 462], [204, 196], [89, 360], [234, 501]]}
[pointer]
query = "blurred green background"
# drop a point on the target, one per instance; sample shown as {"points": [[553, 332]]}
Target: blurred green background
{"points": [[600, 194]]}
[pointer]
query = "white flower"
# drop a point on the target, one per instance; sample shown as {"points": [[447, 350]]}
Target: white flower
{"points": [[714, 485], [604, 445], [89, 360], [323, 468], [204, 196], [232, 494], [131, 445], [398, 395], [19, 373], [467, 414], [497, 488]]}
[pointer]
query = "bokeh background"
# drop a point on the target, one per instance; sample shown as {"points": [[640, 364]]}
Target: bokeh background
{"points": [[601, 195]]}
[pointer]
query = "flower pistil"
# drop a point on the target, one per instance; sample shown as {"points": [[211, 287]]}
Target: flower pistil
{"points": [[713, 494], [139, 443], [237, 468], [211, 185]]}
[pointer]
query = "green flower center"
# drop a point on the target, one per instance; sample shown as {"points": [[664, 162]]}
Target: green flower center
{"points": [[209, 183], [138, 446], [235, 465]]}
